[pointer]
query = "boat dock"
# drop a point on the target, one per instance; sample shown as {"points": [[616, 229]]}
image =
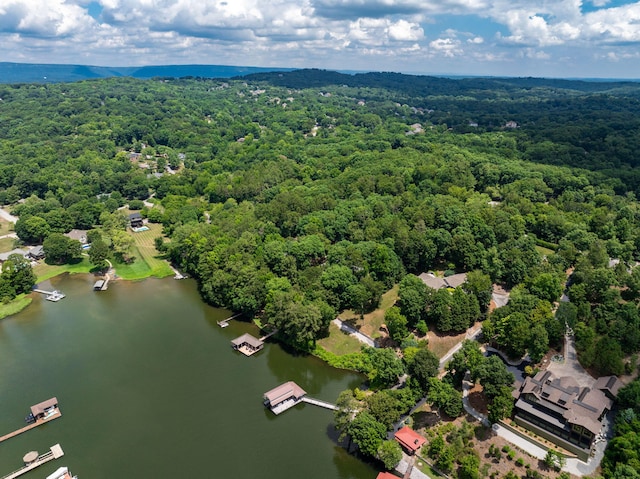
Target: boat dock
{"points": [[32, 460], [48, 414], [317, 402], [223, 323], [54, 295], [288, 395]]}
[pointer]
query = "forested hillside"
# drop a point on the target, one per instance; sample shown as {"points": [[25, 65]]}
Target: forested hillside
{"points": [[293, 196]]}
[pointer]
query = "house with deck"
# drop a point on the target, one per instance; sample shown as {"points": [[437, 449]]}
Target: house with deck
{"points": [[562, 411]]}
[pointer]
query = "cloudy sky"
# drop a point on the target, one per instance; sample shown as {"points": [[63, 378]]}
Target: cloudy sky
{"points": [[557, 38]]}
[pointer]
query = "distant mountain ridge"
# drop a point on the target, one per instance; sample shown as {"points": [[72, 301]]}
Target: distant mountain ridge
{"points": [[53, 73]]}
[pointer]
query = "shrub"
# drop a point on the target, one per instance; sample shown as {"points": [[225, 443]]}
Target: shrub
{"points": [[136, 204], [511, 455], [519, 462], [505, 448]]}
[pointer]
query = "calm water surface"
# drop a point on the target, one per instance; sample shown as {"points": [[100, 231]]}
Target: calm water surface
{"points": [[149, 387]]}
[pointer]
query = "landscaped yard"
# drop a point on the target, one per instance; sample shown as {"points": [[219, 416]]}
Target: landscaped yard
{"points": [[339, 343], [46, 271], [6, 244], [147, 262], [6, 227], [371, 323]]}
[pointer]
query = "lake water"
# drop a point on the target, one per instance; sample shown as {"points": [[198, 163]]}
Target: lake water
{"points": [[149, 387]]}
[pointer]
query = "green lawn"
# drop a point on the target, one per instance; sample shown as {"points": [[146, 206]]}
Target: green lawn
{"points": [[544, 251], [45, 271], [6, 244], [339, 343], [424, 467], [371, 323], [147, 261], [15, 306], [5, 227]]}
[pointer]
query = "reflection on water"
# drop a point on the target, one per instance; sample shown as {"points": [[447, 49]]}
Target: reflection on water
{"points": [[149, 387]]}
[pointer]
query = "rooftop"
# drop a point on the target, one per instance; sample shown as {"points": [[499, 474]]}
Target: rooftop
{"points": [[410, 439], [284, 392], [43, 406], [248, 339]]}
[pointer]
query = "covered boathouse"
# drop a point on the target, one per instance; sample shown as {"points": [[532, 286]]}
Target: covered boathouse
{"points": [[44, 409], [283, 397], [247, 344]]}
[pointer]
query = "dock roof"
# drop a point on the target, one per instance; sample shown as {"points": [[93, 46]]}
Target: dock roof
{"points": [[284, 392], [43, 406], [248, 339]]}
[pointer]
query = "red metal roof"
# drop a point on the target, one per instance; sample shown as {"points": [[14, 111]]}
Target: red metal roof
{"points": [[386, 475], [409, 439]]}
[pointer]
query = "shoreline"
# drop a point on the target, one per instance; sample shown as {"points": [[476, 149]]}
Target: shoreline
{"points": [[21, 302]]}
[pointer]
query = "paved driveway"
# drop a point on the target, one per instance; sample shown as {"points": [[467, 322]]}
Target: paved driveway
{"points": [[363, 338], [571, 366], [8, 216]]}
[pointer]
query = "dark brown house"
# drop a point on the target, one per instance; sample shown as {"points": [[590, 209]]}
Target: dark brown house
{"points": [[562, 411], [135, 220]]}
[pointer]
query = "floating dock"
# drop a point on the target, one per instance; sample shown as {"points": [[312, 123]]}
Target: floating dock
{"points": [[44, 412], [32, 460], [225, 322], [54, 295]]}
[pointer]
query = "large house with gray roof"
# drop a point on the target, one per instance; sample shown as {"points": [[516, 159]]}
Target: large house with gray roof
{"points": [[561, 411], [436, 282]]}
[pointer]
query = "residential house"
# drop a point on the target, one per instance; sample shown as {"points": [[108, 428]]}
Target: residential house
{"points": [[436, 282], [78, 235], [410, 440], [135, 220], [561, 411], [36, 253], [5, 256]]}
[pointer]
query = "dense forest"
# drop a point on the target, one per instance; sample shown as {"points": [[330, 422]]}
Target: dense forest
{"points": [[294, 196]]}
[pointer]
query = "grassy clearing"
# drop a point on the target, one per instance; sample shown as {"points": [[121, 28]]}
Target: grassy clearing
{"points": [[439, 345], [339, 343], [15, 306], [371, 323], [544, 251], [46, 271], [147, 263], [6, 227], [6, 244], [425, 468]]}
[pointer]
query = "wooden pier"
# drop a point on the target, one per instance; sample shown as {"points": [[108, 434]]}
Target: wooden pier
{"points": [[225, 322], [317, 402], [55, 452], [53, 413], [267, 336], [54, 296]]}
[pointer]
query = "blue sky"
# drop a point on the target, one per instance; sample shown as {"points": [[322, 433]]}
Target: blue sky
{"points": [[551, 38]]}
